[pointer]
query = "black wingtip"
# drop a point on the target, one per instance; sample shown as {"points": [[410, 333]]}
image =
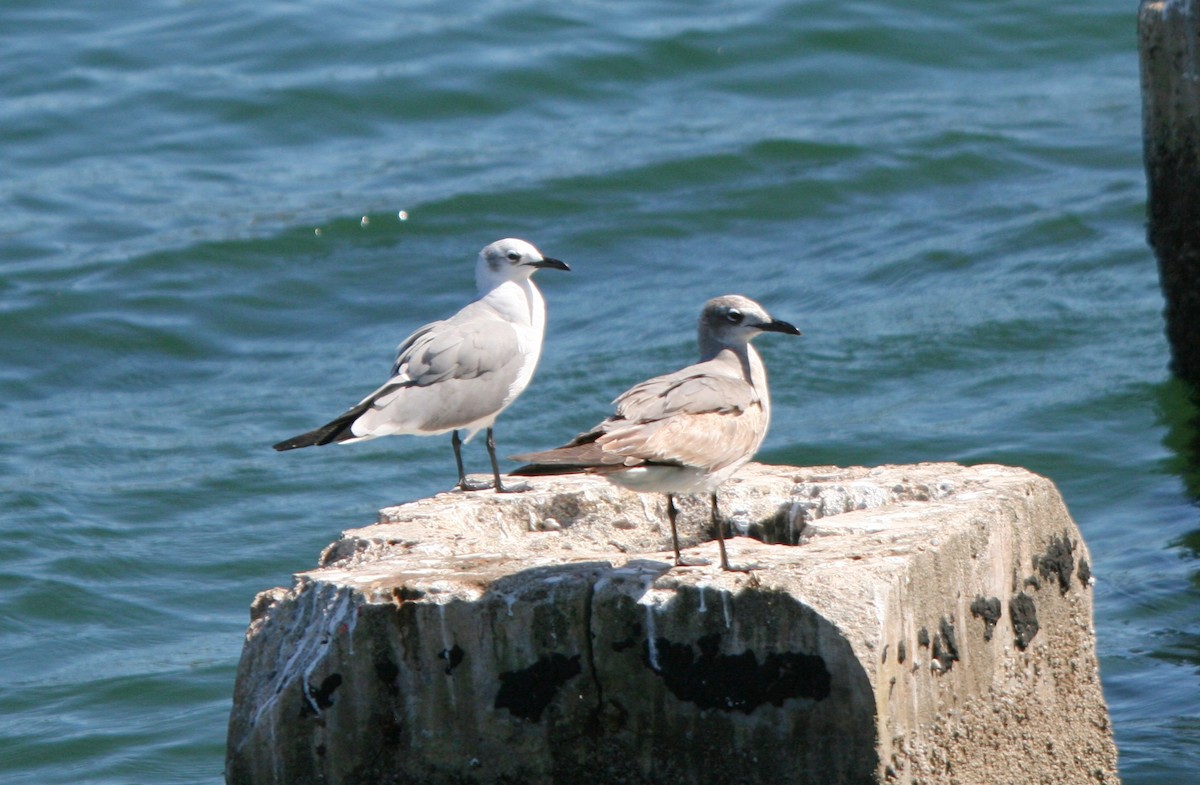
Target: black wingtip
{"points": [[292, 444], [545, 470], [336, 431]]}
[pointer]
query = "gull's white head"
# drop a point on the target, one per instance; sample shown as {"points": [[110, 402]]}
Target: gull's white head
{"points": [[732, 321], [510, 260]]}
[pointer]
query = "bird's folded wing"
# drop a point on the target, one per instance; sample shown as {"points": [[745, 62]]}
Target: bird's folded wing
{"points": [[448, 374], [459, 348], [406, 346], [700, 416], [693, 417], [689, 391], [711, 441]]}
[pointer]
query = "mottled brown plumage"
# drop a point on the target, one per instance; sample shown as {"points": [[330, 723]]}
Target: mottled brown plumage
{"points": [[688, 431]]}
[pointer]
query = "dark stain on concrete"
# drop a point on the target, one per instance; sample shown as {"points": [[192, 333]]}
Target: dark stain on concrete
{"points": [[785, 527], [1058, 562], [700, 674], [1023, 612], [403, 594], [453, 657], [945, 645], [988, 609], [1084, 573], [391, 731], [632, 639], [322, 697], [387, 671], [526, 693]]}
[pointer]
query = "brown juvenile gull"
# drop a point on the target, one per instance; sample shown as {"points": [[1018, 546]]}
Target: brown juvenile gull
{"points": [[685, 432], [459, 373]]}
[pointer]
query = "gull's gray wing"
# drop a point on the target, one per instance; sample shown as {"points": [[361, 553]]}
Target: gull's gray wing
{"points": [[447, 374], [697, 389], [472, 342], [702, 416], [689, 418]]}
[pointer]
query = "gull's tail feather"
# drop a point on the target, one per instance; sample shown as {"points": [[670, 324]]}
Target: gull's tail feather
{"points": [[338, 430], [581, 455], [547, 470]]}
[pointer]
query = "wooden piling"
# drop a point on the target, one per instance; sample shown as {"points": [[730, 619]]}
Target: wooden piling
{"points": [[1169, 52]]}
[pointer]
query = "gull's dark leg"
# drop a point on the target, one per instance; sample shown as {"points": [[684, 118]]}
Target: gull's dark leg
{"points": [[672, 511], [462, 476], [463, 483], [500, 487], [720, 526]]}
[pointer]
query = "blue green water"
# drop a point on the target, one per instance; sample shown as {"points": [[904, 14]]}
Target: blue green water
{"points": [[947, 198]]}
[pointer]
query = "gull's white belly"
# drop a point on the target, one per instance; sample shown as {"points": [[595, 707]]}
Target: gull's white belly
{"points": [[681, 480]]}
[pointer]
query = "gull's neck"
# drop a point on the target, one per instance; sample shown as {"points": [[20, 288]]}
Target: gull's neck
{"points": [[742, 356], [748, 364], [519, 302], [710, 347]]}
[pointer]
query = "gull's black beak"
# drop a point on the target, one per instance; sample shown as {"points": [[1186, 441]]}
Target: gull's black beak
{"points": [[548, 262], [778, 326]]}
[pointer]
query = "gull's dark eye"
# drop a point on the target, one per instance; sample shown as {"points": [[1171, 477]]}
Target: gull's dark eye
{"points": [[733, 316], [513, 256]]}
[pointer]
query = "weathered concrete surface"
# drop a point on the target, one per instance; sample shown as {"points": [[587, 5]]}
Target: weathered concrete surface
{"points": [[933, 625], [1169, 52]]}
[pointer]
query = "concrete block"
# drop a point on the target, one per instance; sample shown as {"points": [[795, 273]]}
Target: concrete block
{"points": [[909, 624]]}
